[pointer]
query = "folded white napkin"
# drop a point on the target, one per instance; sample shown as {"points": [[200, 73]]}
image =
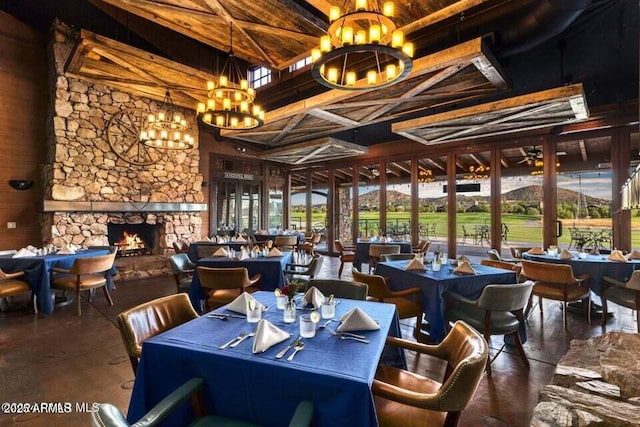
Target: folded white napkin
{"points": [[267, 335], [462, 259], [314, 297], [357, 320], [464, 268], [67, 250], [220, 252], [204, 240], [256, 249], [415, 264], [239, 305], [634, 254], [22, 253], [243, 255], [364, 239], [240, 239], [535, 251], [565, 254], [617, 256], [274, 252]]}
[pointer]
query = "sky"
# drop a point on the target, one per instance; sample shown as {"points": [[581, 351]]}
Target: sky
{"points": [[594, 184]]}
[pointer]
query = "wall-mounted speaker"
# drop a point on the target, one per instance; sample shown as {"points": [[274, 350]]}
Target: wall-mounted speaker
{"points": [[21, 184]]}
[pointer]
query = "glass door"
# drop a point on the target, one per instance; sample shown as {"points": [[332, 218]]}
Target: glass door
{"points": [[226, 208], [250, 209]]}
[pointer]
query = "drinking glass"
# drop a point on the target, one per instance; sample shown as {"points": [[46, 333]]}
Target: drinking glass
{"points": [[281, 301], [254, 313], [307, 327], [328, 309]]}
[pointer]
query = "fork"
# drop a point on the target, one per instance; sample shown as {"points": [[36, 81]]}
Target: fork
{"points": [[347, 337], [240, 336], [299, 346], [237, 343]]}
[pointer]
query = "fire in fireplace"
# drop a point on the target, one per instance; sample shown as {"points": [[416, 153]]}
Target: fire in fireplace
{"points": [[133, 239]]}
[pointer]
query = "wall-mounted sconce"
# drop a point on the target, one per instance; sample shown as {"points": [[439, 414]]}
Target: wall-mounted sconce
{"points": [[241, 149], [21, 184]]}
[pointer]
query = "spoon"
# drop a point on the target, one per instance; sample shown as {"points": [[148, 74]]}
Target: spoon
{"points": [[237, 343], [324, 325], [239, 337], [299, 346]]}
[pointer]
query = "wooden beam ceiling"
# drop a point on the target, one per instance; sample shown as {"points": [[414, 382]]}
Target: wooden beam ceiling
{"points": [[537, 110]]}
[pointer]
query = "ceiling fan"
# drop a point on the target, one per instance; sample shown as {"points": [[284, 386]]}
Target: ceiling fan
{"points": [[535, 153]]}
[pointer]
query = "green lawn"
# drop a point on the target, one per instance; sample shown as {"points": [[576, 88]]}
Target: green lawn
{"points": [[522, 228]]}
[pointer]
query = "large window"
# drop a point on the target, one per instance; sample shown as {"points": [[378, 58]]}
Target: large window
{"points": [[473, 200], [369, 200], [298, 202], [432, 200], [399, 199], [259, 77], [319, 191], [275, 207], [521, 197], [584, 194]]}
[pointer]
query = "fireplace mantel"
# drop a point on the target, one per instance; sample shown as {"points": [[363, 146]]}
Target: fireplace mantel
{"points": [[74, 206]]}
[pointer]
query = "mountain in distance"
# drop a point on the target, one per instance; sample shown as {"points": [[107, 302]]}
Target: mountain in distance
{"points": [[529, 195]]}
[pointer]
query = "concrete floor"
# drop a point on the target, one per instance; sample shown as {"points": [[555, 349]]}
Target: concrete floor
{"points": [[65, 358]]}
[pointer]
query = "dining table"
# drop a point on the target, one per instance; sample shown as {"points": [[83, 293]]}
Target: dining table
{"points": [[270, 267], [37, 272], [596, 266], [335, 374], [435, 284], [194, 254], [362, 249]]}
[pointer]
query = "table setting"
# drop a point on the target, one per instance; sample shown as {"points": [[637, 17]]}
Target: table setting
{"points": [[328, 357]]}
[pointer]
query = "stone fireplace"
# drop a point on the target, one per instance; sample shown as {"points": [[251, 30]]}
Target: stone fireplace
{"points": [[92, 184]]}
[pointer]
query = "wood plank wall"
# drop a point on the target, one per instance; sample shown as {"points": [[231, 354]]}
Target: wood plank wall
{"points": [[23, 110]]}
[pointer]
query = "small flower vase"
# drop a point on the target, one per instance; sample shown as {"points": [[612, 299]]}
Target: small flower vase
{"points": [[289, 313]]}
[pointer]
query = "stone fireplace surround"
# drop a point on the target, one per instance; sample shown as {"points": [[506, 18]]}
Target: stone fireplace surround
{"points": [[87, 185]]}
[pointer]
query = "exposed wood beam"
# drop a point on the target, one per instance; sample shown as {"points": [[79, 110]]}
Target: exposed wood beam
{"points": [[312, 154], [217, 7], [332, 117], [421, 87], [583, 150], [477, 159], [437, 164], [292, 123]]}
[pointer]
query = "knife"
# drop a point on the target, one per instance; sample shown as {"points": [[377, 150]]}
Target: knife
{"points": [[287, 348]]}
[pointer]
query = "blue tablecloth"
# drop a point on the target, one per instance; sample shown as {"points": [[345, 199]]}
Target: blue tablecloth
{"points": [[37, 272], [596, 266], [334, 374], [362, 251], [271, 268], [435, 284], [193, 248]]}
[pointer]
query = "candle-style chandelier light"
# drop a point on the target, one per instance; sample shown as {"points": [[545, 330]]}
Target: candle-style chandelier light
{"points": [[230, 102], [168, 129], [362, 49]]}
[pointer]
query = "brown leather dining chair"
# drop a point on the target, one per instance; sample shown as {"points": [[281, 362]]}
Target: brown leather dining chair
{"points": [[626, 294], [516, 268], [11, 285], [86, 273], [408, 302], [408, 399], [376, 252], [557, 282], [223, 285], [345, 255], [151, 318], [287, 243]]}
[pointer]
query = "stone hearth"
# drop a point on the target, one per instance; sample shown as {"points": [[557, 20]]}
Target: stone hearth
{"points": [[597, 383]]}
